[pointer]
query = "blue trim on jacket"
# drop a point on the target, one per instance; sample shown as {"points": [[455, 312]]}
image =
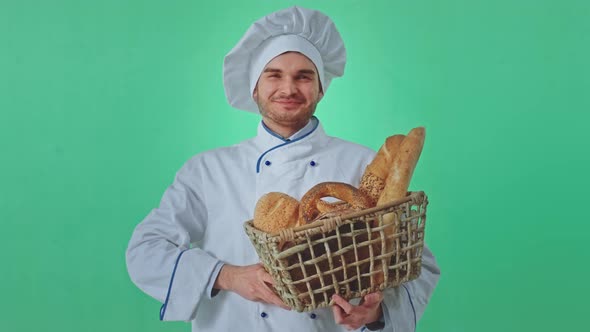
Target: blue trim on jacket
{"points": [[283, 144], [412, 304], [163, 308], [268, 130]]}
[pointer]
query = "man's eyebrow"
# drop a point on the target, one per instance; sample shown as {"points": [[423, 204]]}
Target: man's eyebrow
{"points": [[302, 71], [307, 71], [272, 70]]}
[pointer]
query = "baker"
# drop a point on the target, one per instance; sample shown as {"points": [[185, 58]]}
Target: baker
{"points": [[191, 252]]}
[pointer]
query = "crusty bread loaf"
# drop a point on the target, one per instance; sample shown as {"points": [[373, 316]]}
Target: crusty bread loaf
{"points": [[402, 168], [397, 183], [375, 175], [276, 211]]}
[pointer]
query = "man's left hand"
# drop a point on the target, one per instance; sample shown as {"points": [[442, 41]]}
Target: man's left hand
{"points": [[352, 316]]}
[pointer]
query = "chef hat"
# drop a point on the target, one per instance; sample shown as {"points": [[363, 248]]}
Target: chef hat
{"points": [[293, 29]]}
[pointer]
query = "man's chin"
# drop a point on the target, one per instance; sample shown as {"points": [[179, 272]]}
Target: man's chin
{"points": [[290, 117]]}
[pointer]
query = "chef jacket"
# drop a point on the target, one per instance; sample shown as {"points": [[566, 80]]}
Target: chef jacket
{"points": [[177, 251]]}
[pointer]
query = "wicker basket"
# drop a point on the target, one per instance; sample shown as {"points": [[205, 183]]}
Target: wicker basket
{"points": [[345, 254]]}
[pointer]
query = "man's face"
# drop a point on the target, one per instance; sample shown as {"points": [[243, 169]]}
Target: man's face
{"points": [[288, 91]]}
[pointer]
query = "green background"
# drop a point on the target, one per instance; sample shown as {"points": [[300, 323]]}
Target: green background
{"points": [[101, 102]]}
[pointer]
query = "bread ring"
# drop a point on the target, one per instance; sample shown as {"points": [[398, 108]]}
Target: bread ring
{"points": [[342, 191], [328, 210], [326, 207]]}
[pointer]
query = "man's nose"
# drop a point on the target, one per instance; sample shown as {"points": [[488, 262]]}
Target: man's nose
{"points": [[288, 87]]}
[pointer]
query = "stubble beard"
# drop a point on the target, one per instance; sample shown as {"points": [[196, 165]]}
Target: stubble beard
{"points": [[285, 119]]}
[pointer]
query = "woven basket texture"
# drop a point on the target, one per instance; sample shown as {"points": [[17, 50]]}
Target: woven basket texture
{"points": [[350, 255]]}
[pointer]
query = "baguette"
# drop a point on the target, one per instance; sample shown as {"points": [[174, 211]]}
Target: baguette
{"points": [[402, 168], [396, 186], [375, 175]]}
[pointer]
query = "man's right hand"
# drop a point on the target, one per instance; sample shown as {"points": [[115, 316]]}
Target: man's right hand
{"points": [[251, 282]]}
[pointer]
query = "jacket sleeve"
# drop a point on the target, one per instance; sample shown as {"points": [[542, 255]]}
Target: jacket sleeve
{"points": [[403, 306], [160, 258]]}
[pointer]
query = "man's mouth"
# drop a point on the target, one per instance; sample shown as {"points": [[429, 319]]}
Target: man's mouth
{"points": [[288, 102]]}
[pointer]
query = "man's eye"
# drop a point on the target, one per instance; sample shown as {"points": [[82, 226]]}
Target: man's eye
{"points": [[304, 77], [274, 75]]}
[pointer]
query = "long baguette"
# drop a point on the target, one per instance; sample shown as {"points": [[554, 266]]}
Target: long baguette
{"points": [[396, 185]]}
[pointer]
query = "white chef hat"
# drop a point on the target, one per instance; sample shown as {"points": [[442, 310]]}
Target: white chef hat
{"points": [[293, 29]]}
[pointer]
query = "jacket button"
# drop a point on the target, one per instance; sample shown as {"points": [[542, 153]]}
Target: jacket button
{"points": [[267, 163], [313, 316], [263, 314], [312, 163]]}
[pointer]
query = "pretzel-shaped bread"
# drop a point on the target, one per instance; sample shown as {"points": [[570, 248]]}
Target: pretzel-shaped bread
{"points": [[343, 191]]}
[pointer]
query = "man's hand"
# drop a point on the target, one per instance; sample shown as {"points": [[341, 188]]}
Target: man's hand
{"points": [[353, 317], [250, 282]]}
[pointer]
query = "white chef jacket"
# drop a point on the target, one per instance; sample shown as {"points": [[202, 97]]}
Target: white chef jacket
{"points": [[176, 252]]}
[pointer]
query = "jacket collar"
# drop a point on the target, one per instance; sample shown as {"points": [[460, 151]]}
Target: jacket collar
{"points": [[267, 139], [300, 144]]}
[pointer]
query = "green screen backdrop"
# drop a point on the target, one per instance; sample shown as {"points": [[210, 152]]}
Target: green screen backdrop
{"points": [[101, 102]]}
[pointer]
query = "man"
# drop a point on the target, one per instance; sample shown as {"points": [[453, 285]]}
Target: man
{"points": [[192, 254]]}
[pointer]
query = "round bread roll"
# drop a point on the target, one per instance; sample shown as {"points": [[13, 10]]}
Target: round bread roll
{"points": [[276, 211]]}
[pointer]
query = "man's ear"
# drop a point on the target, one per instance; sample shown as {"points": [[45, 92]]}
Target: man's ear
{"points": [[320, 96], [255, 93]]}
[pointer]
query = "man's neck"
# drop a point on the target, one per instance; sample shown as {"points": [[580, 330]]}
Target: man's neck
{"points": [[284, 131]]}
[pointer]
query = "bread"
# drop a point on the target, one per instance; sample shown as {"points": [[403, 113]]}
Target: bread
{"points": [[326, 207], [397, 183], [276, 211], [342, 191], [373, 180], [402, 167]]}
